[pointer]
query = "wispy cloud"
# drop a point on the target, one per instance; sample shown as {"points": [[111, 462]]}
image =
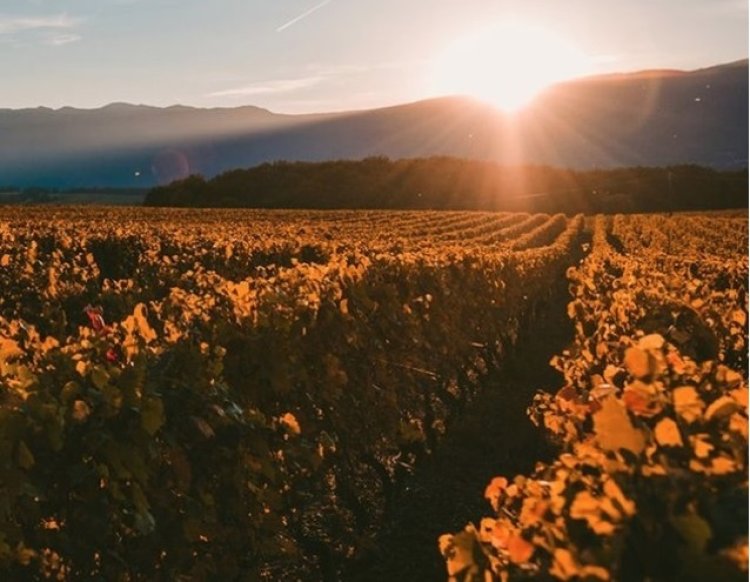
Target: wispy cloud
{"points": [[16, 24], [62, 39], [313, 74], [269, 87], [342, 69], [305, 14]]}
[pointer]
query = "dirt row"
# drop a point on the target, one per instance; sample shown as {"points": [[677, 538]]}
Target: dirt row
{"points": [[493, 437]]}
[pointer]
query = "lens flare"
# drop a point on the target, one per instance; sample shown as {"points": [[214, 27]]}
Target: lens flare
{"points": [[507, 64]]}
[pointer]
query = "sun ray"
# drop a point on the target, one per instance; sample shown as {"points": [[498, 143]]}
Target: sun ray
{"points": [[506, 64]]}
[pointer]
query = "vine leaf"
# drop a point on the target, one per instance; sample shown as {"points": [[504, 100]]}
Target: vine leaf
{"points": [[614, 430]]}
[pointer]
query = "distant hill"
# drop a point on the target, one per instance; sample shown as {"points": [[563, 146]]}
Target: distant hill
{"points": [[653, 118]]}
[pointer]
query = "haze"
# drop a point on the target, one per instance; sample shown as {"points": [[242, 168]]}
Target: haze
{"points": [[307, 56]]}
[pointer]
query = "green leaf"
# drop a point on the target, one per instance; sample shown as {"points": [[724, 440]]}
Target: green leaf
{"points": [[694, 530], [152, 414], [69, 391], [139, 498], [24, 456], [99, 377], [144, 523]]}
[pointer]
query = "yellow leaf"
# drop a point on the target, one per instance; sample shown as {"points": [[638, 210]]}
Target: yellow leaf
{"points": [[738, 424], [24, 555], [49, 344], [519, 550], [740, 396], [564, 564], [613, 428], [597, 572], [636, 362], [5, 260], [737, 554], [587, 507], [676, 362], [532, 511], [702, 446], [81, 367], [738, 316], [721, 408], [610, 372], [141, 321], [344, 307], [642, 399], [653, 341], [289, 421], [732, 378], [171, 332], [651, 470], [667, 433], [494, 490], [486, 527], [613, 491], [9, 349], [723, 465], [501, 534], [81, 411], [583, 505], [718, 466], [458, 551], [445, 542], [687, 403]]}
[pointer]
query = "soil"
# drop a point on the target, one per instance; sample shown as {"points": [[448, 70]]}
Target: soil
{"points": [[493, 437]]}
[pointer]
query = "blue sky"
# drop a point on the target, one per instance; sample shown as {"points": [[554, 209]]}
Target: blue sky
{"points": [[318, 55]]}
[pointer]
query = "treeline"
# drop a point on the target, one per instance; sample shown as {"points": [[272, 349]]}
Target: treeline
{"points": [[104, 190], [35, 195], [453, 183]]}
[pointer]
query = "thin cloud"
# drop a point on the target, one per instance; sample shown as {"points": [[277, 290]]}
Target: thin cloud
{"points": [[16, 24], [63, 39], [315, 74], [269, 87], [347, 70], [305, 14]]}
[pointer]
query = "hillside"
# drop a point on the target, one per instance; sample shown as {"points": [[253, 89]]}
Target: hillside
{"points": [[652, 118]]}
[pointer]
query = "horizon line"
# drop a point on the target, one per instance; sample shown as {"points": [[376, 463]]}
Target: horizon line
{"points": [[613, 74]]}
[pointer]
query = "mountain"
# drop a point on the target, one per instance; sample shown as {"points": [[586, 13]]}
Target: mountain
{"points": [[660, 117]]}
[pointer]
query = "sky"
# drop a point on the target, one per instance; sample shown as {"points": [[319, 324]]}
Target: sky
{"points": [[297, 56]]}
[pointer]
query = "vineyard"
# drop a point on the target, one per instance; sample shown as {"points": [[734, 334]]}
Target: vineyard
{"points": [[651, 423], [193, 394]]}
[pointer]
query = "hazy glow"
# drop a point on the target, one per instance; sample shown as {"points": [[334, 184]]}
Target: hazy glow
{"points": [[507, 64]]}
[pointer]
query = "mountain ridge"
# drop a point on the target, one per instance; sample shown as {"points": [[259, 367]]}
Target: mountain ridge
{"points": [[175, 106], [640, 118]]}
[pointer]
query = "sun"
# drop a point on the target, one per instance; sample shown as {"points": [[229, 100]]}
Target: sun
{"points": [[506, 64]]}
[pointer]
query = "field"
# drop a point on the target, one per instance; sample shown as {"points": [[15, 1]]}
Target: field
{"points": [[193, 394]]}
